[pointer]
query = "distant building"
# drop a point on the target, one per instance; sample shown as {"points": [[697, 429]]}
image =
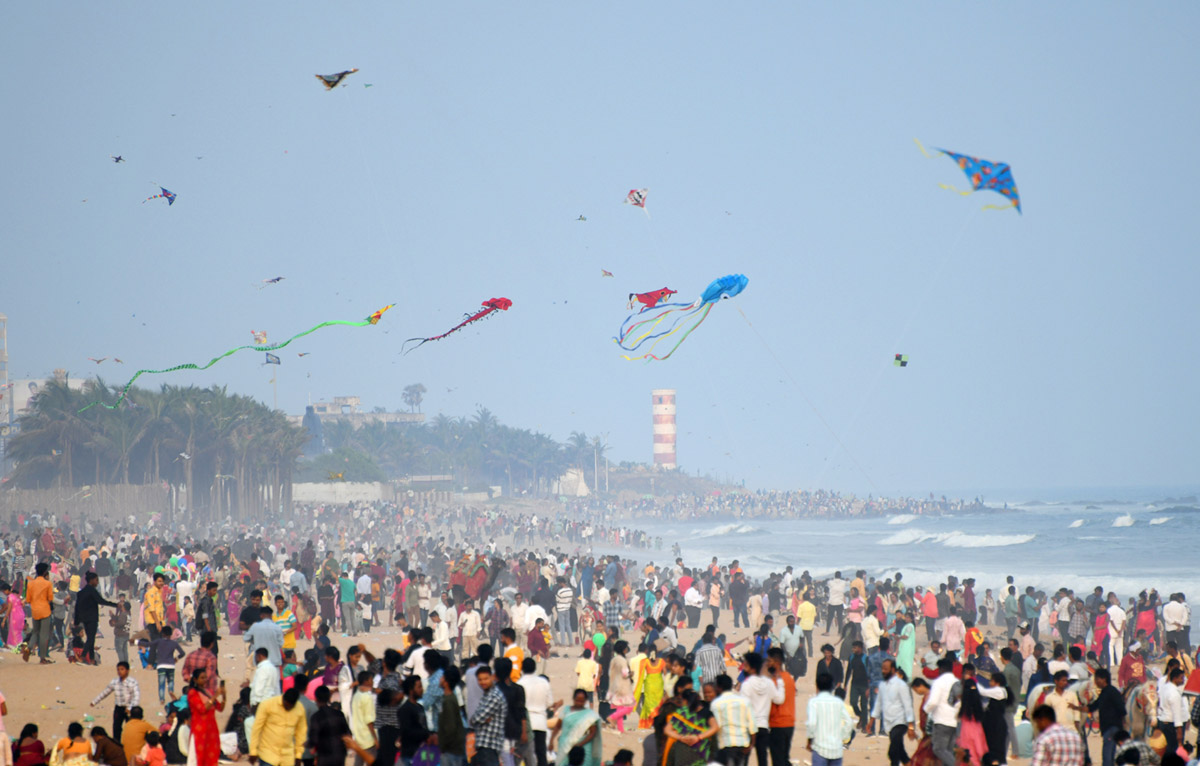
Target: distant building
{"points": [[663, 408], [349, 408], [316, 441]]}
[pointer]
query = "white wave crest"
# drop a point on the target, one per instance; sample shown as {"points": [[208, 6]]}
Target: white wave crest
{"points": [[1123, 521], [1076, 524], [727, 529], [987, 541], [955, 539], [904, 518], [1160, 520]]}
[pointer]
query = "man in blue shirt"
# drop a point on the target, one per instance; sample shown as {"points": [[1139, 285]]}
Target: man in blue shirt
{"points": [[265, 634], [894, 710]]}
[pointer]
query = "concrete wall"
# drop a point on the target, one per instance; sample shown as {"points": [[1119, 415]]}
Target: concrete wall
{"points": [[341, 492]]}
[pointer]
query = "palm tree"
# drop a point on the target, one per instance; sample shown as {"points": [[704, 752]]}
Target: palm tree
{"points": [[413, 395]]}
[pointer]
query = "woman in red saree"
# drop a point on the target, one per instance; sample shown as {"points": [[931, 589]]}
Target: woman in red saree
{"points": [[206, 735]]}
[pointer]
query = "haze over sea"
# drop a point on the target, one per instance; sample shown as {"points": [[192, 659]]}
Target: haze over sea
{"points": [[1124, 540]]}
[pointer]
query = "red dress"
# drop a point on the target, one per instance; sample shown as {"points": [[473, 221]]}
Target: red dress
{"points": [[206, 736]]}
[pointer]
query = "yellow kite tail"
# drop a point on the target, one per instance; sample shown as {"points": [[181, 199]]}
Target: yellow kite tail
{"points": [[921, 146]]}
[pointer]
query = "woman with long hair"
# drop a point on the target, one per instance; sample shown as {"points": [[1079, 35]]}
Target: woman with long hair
{"points": [[620, 686], [206, 735], [995, 727], [970, 722], [28, 750]]}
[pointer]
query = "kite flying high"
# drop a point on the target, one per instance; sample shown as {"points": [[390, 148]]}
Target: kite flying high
{"points": [[490, 306], [370, 320], [168, 196], [984, 175], [670, 318], [331, 81], [637, 198]]}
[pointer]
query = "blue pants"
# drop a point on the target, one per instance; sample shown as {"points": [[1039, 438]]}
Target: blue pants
{"points": [[562, 633], [820, 760], [1109, 750], [166, 683]]}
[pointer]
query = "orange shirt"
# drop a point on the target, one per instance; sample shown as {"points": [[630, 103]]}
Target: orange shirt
{"points": [[517, 655], [39, 593], [783, 715]]}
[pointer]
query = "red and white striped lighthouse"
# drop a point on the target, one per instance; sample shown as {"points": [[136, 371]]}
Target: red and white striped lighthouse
{"points": [[663, 401]]}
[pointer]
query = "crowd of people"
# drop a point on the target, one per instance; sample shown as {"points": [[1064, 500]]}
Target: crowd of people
{"points": [[491, 608], [771, 504]]}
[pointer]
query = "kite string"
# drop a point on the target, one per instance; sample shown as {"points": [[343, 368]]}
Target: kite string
{"points": [[804, 396], [917, 305]]}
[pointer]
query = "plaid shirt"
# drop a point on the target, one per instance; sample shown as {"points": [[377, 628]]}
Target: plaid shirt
{"points": [[488, 721], [1058, 746], [1079, 624], [612, 612], [1146, 754], [125, 693], [202, 658]]}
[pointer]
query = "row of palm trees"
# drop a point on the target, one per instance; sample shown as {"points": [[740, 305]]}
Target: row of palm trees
{"points": [[227, 454], [477, 451]]}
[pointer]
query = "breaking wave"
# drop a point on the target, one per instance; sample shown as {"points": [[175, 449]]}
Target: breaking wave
{"points": [[1123, 521], [903, 518], [1160, 520], [728, 529], [1076, 524], [954, 539]]}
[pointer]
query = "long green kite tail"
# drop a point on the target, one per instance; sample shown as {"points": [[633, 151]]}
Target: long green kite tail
{"points": [[371, 320]]}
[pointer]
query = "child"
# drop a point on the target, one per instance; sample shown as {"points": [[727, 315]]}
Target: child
{"points": [[152, 753], [586, 671], [364, 609], [188, 618], [290, 668], [322, 641], [75, 653], [165, 651]]}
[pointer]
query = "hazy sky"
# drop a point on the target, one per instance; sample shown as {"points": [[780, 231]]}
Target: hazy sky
{"points": [[1057, 348]]}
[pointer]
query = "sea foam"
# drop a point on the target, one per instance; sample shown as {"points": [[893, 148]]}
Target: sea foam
{"points": [[727, 529], [904, 518], [1160, 520], [1123, 521], [1076, 524]]}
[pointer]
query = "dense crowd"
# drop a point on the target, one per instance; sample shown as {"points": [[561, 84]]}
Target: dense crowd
{"points": [[487, 604]]}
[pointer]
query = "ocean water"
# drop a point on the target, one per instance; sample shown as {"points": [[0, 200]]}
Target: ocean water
{"points": [[1120, 545]]}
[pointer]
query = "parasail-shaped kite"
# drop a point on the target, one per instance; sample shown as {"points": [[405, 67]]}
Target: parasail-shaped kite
{"points": [[637, 197], [663, 320], [984, 175], [372, 319], [490, 306], [168, 196], [331, 81]]}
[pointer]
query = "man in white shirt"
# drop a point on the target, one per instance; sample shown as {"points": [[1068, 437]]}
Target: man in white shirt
{"points": [[1116, 634], [761, 691], [1172, 715], [871, 631], [516, 614], [837, 601], [1176, 619], [264, 684], [942, 713], [469, 625], [693, 603], [441, 636], [415, 664], [539, 703]]}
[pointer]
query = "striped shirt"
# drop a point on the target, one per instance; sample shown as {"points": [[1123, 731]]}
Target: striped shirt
{"points": [[826, 724], [711, 663], [564, 598], [125, 693], [735, 722]]}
